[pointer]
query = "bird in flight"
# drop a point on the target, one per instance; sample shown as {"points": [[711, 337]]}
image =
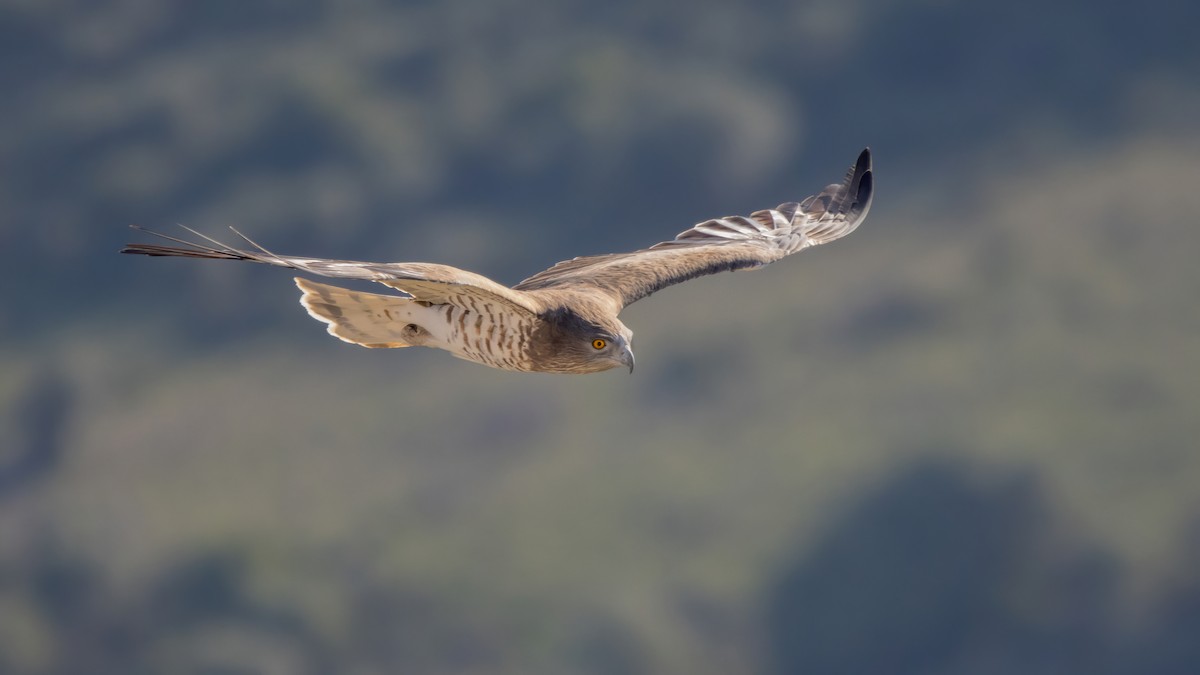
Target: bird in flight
{"points": [[560, 320]]}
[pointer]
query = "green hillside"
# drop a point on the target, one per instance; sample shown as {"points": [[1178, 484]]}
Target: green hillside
{"points": [[962, 440]]}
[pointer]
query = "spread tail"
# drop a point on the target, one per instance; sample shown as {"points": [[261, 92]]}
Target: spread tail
{"points": [[366, 319]]}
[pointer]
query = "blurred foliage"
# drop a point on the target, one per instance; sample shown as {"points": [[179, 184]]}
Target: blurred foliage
{"points": [[962, 440]]}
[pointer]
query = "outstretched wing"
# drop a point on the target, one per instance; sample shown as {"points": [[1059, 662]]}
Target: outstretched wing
{"points": [[427, 282], [719, 245]]}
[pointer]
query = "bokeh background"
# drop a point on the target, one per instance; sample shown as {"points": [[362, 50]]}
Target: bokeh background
{"points": [[962, 440]]}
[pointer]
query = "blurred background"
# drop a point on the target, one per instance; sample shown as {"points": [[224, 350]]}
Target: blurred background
{"points": [[962, 440]]}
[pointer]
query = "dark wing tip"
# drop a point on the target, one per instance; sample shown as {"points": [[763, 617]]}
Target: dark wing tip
{"points": [[860, 168], [188, 249], [866, 189], [132, 248], [158, 251], [864, 159], [860, 181]]}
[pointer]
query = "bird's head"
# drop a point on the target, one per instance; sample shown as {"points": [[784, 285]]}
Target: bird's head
{"points": [[570, 342]]}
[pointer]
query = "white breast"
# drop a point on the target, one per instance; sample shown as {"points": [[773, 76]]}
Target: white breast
{"points": [[490, 334]]}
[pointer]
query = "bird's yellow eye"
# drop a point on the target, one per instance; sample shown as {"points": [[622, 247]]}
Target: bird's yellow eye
{"points": [[599, 344]]}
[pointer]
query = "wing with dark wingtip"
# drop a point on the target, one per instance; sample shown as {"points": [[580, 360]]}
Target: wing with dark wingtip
{"points": [[719, 245], [439, 284]]}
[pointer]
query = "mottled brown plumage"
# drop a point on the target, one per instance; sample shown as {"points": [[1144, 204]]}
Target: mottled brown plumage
{"points": [[563, 319]]}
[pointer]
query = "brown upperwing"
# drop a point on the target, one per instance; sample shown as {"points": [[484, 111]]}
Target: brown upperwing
{"points": [[719, 245], [428, 282]]}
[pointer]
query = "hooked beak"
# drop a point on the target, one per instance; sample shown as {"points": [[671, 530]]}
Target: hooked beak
{"points": [[627, 357]]}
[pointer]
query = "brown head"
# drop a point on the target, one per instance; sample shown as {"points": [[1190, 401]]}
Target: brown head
{"points": [[567, 341]]}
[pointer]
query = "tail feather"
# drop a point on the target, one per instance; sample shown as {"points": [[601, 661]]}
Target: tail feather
{"points": [[366, 319]]}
